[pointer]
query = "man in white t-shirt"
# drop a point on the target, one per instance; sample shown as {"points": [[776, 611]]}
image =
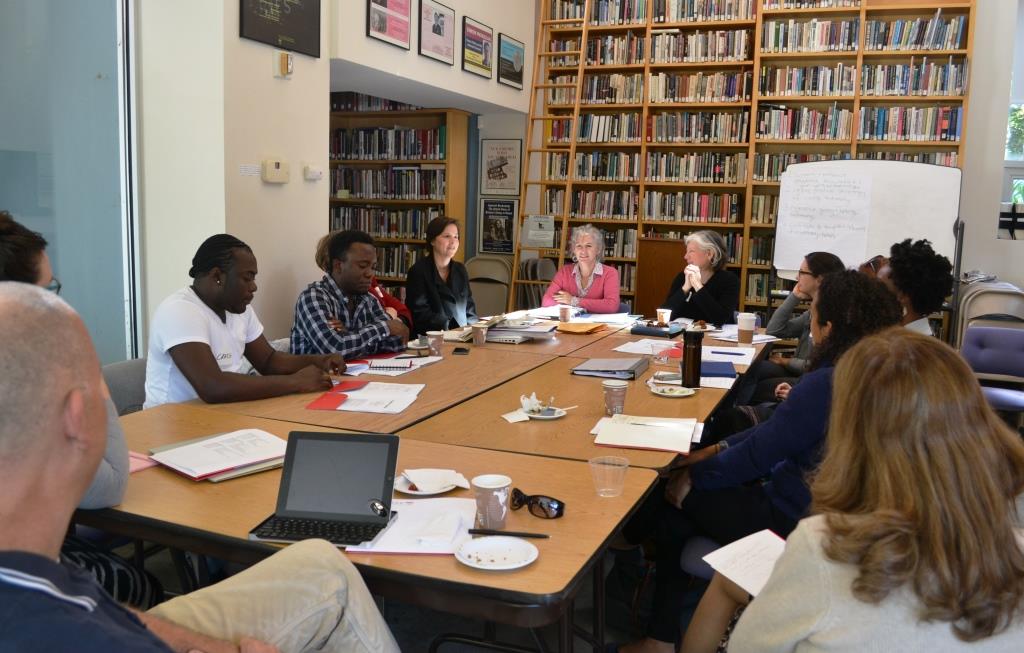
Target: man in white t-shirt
{"points": [[200, 335]]}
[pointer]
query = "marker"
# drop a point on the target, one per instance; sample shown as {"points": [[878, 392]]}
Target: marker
{"points": [[491, 531], [728, 353]]}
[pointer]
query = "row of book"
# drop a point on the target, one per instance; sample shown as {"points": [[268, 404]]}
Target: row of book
{"points": [[626, 48], [916, 33], [618, 12], [701, 87], [620, 243], [760, 250], [613, 89], [809, 4], [395, 260], [607, 166], [675, 46], [764, 209], [609, 128], [699, 207], [698, 127], [697, 167], [769, 166], [396, 183], [627, 277], [566, 9], [911, 123], [758, 287], [558, 131], [916, 78], [586, 204], [807, 81], [692, 11], [805, 123], [949, 159], [384, 222], [349, 101], [564, 45], [555, 166], [565, 95], [813, 35], [382, 143]]}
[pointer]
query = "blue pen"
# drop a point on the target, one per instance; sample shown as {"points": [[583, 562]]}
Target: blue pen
{"points": [[728, 353]]}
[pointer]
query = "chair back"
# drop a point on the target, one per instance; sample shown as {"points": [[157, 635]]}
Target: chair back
{"points": [[127, 383], [995, 353], [492, 268]]}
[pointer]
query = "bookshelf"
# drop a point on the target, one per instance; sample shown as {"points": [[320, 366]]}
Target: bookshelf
{"points": [[651, 123], [392, 171]]}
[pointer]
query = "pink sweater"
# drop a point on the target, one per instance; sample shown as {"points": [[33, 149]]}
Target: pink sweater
{"points": [[603, 296]]}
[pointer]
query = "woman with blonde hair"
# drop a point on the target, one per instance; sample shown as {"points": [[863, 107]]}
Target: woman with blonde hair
{"points": [[915, 543]]}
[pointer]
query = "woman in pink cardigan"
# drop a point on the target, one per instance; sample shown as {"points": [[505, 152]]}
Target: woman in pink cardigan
{"points": [[586, 283]]}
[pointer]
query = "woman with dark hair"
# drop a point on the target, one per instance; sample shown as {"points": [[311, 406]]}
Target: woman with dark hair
{"points": [[921, 279], [709, 493], [437, 288], [915, 542], [704, 290], [200, 335]]}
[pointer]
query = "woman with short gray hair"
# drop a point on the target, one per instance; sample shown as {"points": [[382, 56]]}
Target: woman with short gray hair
{"points": [[704, 290], [586, 283]]}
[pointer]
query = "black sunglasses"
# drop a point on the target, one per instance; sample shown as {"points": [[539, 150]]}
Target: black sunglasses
{"points": [[540, 505]]}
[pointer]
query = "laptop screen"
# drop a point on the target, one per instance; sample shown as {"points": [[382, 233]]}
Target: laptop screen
{"points": [[338, 476]]}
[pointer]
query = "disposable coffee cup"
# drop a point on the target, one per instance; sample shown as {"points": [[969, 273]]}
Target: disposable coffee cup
{"points": [[491, 492], [479, 334], [664, 316], [609, 473], [564, 313], [745, 327], [435, 339]]}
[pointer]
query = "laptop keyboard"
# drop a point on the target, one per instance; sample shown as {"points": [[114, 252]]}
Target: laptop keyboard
{"points": [[335, 532]]}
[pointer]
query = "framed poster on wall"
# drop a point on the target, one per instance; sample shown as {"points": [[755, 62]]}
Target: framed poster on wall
{"points": [[437, 31], [388, 21], [500, 166], [511, 55], [477, 46], [496, 225], [297, 29]]}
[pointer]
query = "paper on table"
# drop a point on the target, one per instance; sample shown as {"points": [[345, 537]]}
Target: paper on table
{"points": [[729, 334], [612, 318], [644, 346], [414, 364], [735, 355], [222, 453], [748, 562], [139, 461], [698, 429], [516, 415], [387, 398], [416, 527], [658, 433], [722, 382], [355, 369]]}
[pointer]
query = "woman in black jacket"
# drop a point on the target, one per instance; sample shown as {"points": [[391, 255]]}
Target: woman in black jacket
{"points": [[437, 288], [704, 290]]}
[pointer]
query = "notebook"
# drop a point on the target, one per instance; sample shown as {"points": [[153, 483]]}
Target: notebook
{"points": [[612, 368], [335, 486]]}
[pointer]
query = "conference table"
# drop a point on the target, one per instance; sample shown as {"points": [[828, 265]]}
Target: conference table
{"points": [[214, 519]]}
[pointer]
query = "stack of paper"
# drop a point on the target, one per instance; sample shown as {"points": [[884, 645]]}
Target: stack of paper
{"points": [[223, 456], [611, 318], [729, 334], [647, 346], [580, 327], [658, 433], [748, 562], [538, 331], [387, 398], [437, 526], [550, 312]]}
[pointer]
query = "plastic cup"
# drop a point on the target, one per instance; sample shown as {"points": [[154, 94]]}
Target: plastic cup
{"points": [[745, 323], [479, 334], [609, 474], [564, 313], [660, 353], [664, 316], [492, 492], [435, 339], [614, 396]]}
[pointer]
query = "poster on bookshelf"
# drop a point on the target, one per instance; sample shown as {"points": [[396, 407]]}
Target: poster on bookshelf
{"points": [[500, 166], [389, 21], [437, 31], [477, 46], [511, 56], [497, 225]]}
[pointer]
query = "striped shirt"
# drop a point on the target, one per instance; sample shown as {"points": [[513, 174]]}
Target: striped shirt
{"points": [[366, 330]]}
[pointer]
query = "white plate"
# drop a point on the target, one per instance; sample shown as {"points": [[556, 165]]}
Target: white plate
{"points": [[402, 485], [673, 391], [558, 413], [496, 552], [416, 345]]}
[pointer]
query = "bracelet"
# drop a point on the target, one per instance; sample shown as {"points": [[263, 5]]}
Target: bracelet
{"points": [[722, 445]]}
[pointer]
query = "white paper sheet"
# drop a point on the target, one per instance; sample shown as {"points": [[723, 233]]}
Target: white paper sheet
{"points": [[222, 453], [698, 429], [722, 382], [636, 432], [748, 562], [645, 346], [416, 527], [516, 415], [377, 397], [611, 318]]}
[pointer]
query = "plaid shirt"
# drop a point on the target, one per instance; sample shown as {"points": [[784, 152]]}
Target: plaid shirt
{"points": [[366, 330]]}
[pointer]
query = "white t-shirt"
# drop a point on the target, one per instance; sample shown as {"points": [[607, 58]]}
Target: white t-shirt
{"points": [[181, 318]]}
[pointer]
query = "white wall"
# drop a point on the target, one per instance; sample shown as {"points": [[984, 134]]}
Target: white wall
{"points": [[986, 138]]}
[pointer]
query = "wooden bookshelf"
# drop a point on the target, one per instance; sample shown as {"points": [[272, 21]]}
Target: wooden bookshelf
{"points": [[397, 220], [848, 83]]}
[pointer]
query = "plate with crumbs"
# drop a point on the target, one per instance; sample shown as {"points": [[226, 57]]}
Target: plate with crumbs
{"points": [[549, 412], [672, 391], [403, 485], [496, 553]]}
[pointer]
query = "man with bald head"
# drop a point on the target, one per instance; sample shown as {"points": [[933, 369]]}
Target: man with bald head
{"points": [[52, 437]]}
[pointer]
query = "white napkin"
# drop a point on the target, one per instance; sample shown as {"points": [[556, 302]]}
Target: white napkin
{"points": [[530, 404], [441, 530], [435, 480], [516, 415]]}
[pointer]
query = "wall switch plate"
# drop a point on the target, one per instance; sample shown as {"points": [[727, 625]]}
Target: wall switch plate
{"points": [[284, 65], [275, 171], [312, 173]]}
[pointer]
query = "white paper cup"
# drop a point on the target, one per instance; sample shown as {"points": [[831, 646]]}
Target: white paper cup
{"points": [[435, 339], [745, 327], [492, 499], [479, 334], [564, 313], [609, 474], [614, 396], [664, 316]]}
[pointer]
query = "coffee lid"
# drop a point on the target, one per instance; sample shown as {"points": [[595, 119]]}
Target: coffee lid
{"points": [[614, 383]]}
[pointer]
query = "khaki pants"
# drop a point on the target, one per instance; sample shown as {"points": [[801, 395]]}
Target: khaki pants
{"points": [[306, 597]]}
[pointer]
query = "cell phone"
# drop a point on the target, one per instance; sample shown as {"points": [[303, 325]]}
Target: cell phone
{"points": [[461, 351]]}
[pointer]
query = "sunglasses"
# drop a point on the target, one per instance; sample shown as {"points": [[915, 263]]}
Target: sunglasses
{"points": [[539, 505]]}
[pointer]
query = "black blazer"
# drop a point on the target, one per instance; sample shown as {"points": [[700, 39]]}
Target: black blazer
{"points": [[437, 305], [715, 302]]}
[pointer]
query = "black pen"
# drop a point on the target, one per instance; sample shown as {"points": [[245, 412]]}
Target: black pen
{"points": [[728, 353], [491, 531]]}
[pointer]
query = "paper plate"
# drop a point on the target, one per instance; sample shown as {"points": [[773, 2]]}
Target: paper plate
{"points": [[558, 413], [496, 553], [402, 485], [672, 391]]}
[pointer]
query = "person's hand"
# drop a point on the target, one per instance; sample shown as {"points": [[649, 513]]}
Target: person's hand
{"points": [[779, 359], [693, 278], [678, 487], [801, 295], [392, 313], [311, 378], [336, 324], [252, 645], [397, 328], [782, 391], [332, 363], [563, 297]]}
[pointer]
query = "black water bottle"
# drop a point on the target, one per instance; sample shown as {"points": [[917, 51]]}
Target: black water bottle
{"points": [[689, 366]]}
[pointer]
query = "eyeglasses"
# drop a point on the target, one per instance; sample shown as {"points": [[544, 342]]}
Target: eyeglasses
{"points": [[803, 272], [54, 286], [540, 505]]}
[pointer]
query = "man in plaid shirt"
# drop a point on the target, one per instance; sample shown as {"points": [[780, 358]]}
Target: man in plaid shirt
{"points": [[338, 314]]}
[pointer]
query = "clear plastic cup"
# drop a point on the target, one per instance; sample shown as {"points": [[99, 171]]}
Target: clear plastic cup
{"points": [[609, 474]]}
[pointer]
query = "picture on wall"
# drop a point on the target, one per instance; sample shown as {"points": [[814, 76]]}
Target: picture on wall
{"points": [[497, 225], [500, 164], [511, 55], [477, 47], [389, 21], [437, 31]]}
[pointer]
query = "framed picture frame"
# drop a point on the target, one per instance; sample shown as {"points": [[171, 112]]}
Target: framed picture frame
{"points": [[437, 31], [297, 30], [477, 47], [389, 21], [496, 225], [500, 166], [511, 61]]}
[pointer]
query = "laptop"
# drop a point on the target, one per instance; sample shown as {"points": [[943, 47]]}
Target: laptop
{"points": [[335, 486]]}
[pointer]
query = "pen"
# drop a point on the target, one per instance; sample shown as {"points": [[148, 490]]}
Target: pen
{"points": [[728, 353], [491, 531]]}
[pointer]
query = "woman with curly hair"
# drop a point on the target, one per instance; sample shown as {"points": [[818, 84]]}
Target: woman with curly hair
{"points": [[920, 278], [710, 493], [915, 542]]}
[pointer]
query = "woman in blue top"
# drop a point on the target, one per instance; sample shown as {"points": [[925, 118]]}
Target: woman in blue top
{"points": [[711, 493]]}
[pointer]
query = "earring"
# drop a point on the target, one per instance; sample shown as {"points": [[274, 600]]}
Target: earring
{"points": [[218, 282]]}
